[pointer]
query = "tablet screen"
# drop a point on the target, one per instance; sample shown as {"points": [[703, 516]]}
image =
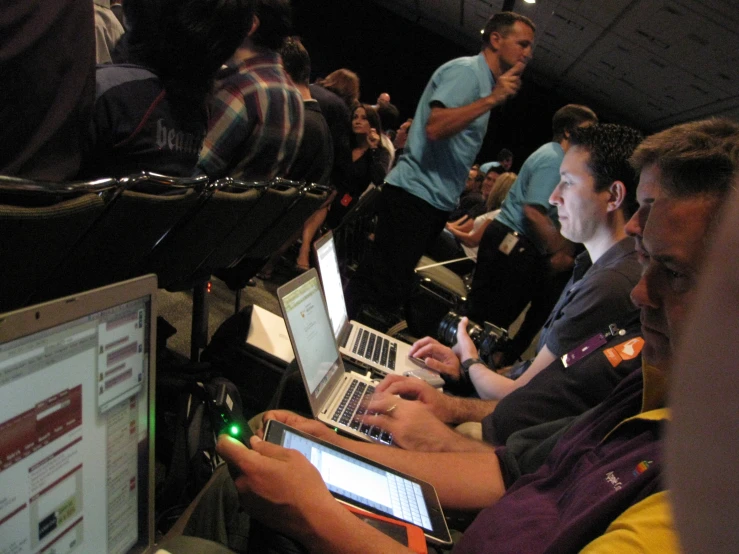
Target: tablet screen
{"points": [[385, 491], [366, 484]]}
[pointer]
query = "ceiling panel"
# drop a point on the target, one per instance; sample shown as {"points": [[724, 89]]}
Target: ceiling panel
{"points": [[722, 11], [644, 81], [685, 34], [657, 62], [569, 31], [478, 11], [537, 12], [551, 60], [446, 11], [618, 94], [598, 13]]}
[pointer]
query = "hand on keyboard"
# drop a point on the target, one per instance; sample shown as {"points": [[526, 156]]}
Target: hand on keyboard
{"points": [[353, 406], [412, 425], [416, 389]]}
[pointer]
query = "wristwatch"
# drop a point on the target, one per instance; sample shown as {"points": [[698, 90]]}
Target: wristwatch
{"points": [[465, 373]]}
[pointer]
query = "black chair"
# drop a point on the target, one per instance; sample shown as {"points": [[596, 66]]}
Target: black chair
{"points": [[431, 271], [310, 198], [275, 197], [40, 222], [145, 208], [352, 235], [280, 195], [177, 257]]}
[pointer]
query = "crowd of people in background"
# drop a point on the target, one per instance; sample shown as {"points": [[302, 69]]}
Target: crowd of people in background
{"points": [[599, 236]]}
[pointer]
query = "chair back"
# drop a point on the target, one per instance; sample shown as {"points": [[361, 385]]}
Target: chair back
{"points": [[311, 198], [193, 239], [144, 210], [40, 222], [352, 235], [281, 231], [277, 199]]}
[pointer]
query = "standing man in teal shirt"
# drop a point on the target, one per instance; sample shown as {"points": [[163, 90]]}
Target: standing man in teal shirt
{"points": [[447, 133]]}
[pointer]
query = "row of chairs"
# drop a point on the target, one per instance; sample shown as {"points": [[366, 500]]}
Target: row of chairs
{"points": [[60, 239]]}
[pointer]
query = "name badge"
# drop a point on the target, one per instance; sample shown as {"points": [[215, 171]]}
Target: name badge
{"points": [[585, 349], [508, 243]]}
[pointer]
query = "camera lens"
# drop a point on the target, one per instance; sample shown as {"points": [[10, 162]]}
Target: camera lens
{"points": [[447, 332]]}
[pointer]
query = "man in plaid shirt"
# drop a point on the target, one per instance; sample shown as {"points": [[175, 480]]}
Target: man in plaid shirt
{"points": [[256, 115]]}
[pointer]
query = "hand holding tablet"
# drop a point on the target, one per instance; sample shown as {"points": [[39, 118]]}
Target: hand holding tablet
{"points": [[368, 485], [278, 486]]}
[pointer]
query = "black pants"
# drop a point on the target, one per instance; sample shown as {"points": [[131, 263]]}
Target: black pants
{"points": [[505, 283], [446, 247], [218, 518], [406, 226]]}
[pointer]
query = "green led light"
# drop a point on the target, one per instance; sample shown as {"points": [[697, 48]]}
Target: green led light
{"points": [[234, 430]]}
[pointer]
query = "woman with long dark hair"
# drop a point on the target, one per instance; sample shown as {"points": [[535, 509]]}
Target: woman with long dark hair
{"points": [[369, 162]]}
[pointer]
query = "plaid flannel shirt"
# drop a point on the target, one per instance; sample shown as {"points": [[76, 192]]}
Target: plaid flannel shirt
{"points": [[256, 121]]}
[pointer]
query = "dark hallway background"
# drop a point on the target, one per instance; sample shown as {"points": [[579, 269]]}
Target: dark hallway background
{"points": [[392, 54]]}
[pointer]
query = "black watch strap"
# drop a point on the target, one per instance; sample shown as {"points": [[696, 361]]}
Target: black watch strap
{"points": [[466, 367]]}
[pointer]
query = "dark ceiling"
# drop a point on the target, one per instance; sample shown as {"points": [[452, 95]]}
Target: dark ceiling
{"points": [[655, 62]]}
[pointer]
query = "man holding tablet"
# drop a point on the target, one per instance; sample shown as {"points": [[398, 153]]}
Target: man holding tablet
{"points": [[601, 487]]}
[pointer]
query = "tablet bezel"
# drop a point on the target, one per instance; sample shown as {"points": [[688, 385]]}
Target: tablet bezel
{"points": [[275, 432]]}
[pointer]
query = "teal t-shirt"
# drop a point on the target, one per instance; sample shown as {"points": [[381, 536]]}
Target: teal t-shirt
{"points": [[535, 183], [436, 171]]}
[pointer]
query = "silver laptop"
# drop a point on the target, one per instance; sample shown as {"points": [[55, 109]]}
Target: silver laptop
{"points": [[358, 343], [77, 422], [337, 397]]}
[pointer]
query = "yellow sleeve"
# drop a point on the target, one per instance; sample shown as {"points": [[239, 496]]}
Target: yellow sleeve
{"points": [[645, 527]]}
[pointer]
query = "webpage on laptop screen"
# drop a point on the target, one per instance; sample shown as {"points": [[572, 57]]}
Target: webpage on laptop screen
{"points": [[314, 344], [74, 435]]}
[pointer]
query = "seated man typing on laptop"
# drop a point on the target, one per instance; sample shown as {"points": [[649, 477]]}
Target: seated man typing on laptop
{"points": [[594, 199], [566, 505]]}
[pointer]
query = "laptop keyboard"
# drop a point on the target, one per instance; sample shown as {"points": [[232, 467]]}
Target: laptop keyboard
{"points": [[353, 406], [374, 347]]}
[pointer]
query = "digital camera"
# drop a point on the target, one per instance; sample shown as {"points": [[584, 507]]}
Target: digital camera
{"points": [[488, 339]]}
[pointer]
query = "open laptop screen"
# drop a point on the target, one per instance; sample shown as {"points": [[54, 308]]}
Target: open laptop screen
{"points": [[308, 322], [328, 266], [76, 423]]}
